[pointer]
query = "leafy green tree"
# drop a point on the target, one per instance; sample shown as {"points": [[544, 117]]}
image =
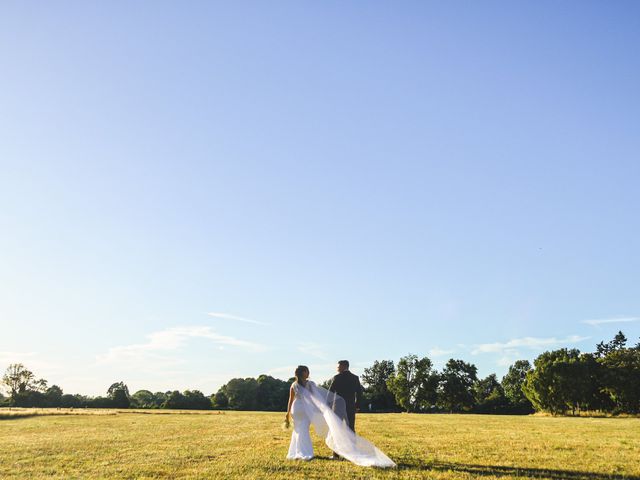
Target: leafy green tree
{"points": [[512, 384], [17, 380], [118, 393], [456, 386], [557, 383], [621, 379], [143, 399], [325, 384], [160, 397], [99, 402], [241, 393], [489, 395], [272, 394], [513, 381], [375, 380], [24, 390], [175, 400], [592, 375], [618, 343], [195, 400], [220, 399], [53, 396], [414, 383], [72, 401]]}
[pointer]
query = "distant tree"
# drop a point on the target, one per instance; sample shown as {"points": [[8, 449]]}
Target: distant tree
{"points": [[619, 342], [512, 384], [456, 386], [325, 384], [35, 396], [621, 379], [489, 395], [99, 402], [24, 390], [175, 400], [72, 401], [375, 380], [195, 400], [160, 398], [53, 396], [119, 394], [17, 380], [220, 399], [241, 393], [413, 384], [591, 393], [557, 384], [143, 399], [272, 394], [484, 387], [40, 386]]}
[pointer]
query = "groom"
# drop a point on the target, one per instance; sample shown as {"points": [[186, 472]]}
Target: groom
{"points": [[347, 385]]}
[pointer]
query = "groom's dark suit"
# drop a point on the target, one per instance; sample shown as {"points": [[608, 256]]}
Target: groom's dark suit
{"points": [[347, 385]]}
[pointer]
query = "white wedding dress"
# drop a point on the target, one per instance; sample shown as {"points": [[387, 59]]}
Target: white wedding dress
{"points": [[326, 411]]}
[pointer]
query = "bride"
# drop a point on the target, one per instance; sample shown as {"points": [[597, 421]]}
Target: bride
{"points": [[309, 405]]}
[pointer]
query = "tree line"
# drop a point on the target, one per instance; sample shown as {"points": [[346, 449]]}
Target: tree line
{"points": [[559, 382], [263, 393]]}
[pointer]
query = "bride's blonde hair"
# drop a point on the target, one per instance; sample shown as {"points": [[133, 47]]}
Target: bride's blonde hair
{"points": [[298, 373]]}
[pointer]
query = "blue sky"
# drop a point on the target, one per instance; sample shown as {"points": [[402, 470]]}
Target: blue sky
{"points": [[207, 190]]}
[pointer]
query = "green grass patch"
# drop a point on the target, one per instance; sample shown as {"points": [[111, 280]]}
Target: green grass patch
{"points": [[238, 445]]}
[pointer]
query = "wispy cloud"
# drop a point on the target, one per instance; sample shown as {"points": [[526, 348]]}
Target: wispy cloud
{"points": [[235, 318], [439, 352], [603, 321], [507, 360], [16, 357], [533, 343], [171, 339], [31, 360], [313, 349]]}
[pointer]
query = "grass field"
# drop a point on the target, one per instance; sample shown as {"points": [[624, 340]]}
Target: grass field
{"points": [[239, 445]]}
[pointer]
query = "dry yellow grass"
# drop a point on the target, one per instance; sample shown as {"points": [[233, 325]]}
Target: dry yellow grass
{"points": [[143, 444]]}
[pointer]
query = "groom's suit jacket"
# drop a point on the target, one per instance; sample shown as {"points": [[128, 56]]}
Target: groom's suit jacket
{"points": [[347, 385]]}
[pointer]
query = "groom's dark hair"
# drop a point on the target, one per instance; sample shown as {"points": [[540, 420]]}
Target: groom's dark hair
{"points": [[344, 363]]}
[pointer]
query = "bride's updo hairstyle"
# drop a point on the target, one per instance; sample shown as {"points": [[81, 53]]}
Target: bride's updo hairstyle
{"points": [[298, 373]]}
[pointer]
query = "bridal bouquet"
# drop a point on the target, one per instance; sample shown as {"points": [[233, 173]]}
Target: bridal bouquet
{"points": [[286, 424]]}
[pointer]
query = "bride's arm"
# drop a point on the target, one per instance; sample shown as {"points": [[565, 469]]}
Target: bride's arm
{"points": [[291, 397]]}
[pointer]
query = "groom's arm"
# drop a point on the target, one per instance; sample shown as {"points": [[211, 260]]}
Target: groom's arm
{"points": [[332, 386], [358, 393], [332, 398]]}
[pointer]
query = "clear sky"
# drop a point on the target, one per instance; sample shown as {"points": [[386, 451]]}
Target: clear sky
{"points": [[193, 191]]}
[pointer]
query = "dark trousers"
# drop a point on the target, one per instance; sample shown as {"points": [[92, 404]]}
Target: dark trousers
{"points": [[351, 417], [351, 421]]}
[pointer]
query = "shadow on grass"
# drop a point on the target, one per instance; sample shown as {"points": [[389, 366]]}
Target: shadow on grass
{"points": [[18, 416], [504, 471], [21, 415]]}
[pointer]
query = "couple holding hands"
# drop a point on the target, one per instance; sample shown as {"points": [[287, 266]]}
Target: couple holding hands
{"points": [[332, 413]]}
